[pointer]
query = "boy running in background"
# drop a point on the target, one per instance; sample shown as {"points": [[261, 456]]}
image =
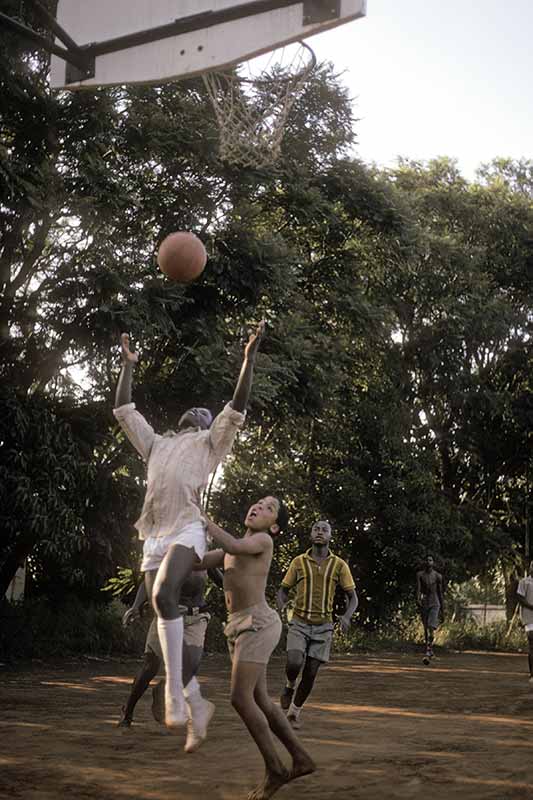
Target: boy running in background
{"points": [[315, 575], [430, 599]]}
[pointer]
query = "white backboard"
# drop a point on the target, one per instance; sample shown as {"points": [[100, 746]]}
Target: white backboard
{"points": [[211, 47]]}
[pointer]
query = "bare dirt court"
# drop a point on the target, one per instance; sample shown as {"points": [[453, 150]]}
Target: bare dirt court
{"points": [[378, 726]]}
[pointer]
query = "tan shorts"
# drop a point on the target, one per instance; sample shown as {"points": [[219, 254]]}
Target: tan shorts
{"points": [[253, 633], [194, 629]]}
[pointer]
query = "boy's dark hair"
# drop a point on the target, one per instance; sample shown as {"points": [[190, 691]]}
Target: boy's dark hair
{"points": [[282, 520]]}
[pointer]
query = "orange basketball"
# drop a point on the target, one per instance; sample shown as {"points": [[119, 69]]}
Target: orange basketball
{"points": [[182, 256]]}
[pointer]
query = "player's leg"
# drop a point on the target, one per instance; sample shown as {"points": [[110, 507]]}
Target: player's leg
{"points": [[530, 655], [175, 568], [245, 676], [302, 763], [433, 624], [319, 638], [296, 651], [199, 709], [151, 662], [191, 661], [150, 667], [307, 681], [424, 618]]}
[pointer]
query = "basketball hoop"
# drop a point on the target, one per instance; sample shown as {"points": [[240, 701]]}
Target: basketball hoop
{"points": [[252, 110]]}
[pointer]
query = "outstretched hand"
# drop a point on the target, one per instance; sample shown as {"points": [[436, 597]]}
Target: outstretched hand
{"points": [[128, 357], [254, 339]]}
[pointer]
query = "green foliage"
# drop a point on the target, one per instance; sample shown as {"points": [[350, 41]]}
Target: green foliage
{"points": [[476, 590], [124, 584], [44, 479], [392, 393], [38, 629], [470, 636]]}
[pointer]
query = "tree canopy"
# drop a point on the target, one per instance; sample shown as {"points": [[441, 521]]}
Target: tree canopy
{"points": [[393, 390]]}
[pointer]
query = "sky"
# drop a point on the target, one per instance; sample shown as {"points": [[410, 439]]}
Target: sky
{"points": [[438, 78]]}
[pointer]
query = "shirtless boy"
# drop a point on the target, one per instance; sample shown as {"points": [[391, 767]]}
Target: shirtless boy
{"points": [[253, 630], [430, 600]]}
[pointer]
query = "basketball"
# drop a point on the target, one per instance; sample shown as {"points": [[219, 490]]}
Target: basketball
{"points": [[182, 256]]}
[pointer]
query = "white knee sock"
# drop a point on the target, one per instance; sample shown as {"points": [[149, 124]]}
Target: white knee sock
{"points": [[170, 633], [192, 690]]}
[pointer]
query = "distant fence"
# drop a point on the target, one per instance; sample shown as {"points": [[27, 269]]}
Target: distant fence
{"points": [[484, 613]]}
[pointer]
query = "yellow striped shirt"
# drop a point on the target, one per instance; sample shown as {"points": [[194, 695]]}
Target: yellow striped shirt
{"points": [[315, 585]]}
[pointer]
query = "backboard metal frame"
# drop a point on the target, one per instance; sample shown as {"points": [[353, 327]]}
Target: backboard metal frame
{"points": [[89, 62]]}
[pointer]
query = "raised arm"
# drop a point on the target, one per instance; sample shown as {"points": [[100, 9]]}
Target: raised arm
{"points": [[129, 359], [243, 388], [250, 545]]}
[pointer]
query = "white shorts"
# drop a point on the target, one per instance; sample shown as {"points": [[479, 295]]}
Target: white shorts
{"points": [[156, 547]]}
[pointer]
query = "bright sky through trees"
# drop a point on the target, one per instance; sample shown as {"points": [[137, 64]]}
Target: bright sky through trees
{"points": [[436, 78]]}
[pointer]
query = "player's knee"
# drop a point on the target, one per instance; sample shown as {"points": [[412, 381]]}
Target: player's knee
{"points": [[238, 699], [263, 700], [164, 602], [295, 661]]}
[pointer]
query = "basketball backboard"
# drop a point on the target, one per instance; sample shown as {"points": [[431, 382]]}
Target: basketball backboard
{"points": [[152, 41]]}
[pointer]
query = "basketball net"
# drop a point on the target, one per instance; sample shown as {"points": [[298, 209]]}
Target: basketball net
{"points": [[252, 110]]}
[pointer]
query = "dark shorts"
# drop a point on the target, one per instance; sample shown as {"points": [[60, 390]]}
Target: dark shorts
{"points": [[312, 640], [430, 616]]}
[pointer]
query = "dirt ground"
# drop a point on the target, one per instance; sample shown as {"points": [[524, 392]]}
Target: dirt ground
{"points": [[379, 726]]}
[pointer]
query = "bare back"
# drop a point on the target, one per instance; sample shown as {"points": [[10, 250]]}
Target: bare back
{"points": [[245, 578]]}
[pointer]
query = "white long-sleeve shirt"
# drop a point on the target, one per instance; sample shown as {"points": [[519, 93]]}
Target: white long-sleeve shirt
{"points": [[179, 465]]}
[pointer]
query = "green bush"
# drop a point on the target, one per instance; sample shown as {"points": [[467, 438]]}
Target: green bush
{"points": [[467, 635], [39, 629], [458, 635]]}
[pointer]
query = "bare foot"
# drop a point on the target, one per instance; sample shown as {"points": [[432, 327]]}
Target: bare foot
{"points": [[273, 781], [301, 766]]}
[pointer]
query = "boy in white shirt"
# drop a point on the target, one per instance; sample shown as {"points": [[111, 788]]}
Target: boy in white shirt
{"points": [[171, 523]]}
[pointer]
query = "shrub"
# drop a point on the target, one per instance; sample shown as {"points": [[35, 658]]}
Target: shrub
{"points": [[39, 629]]}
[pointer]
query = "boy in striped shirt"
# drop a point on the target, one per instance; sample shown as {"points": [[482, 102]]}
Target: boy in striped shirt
{"points": [[315, 575]]}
